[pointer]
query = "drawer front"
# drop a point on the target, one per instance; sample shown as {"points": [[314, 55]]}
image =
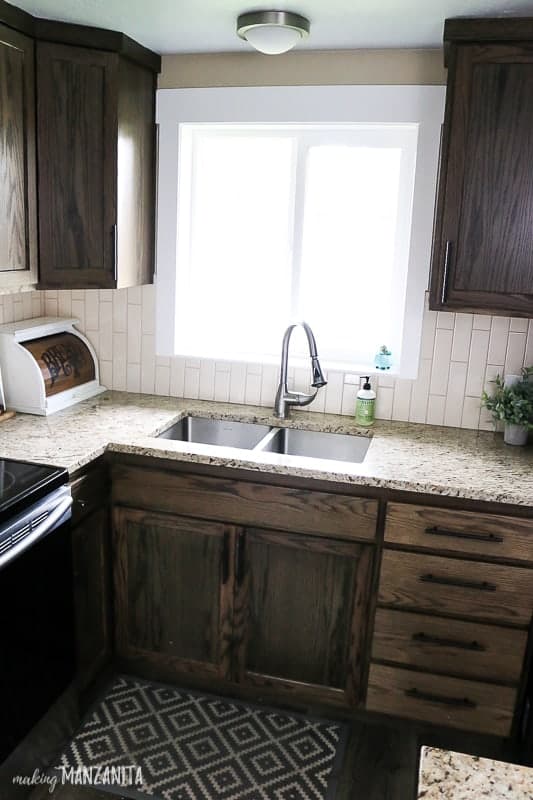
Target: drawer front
{"points": [[448, 702], [246, 503], [442, 585], [460, 531], [466, 649]]}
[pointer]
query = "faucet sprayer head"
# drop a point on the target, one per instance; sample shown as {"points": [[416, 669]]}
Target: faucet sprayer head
{"points": [[318, 375]]}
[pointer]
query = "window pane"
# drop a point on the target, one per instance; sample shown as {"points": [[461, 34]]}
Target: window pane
{"points": [[235, 278], [348, 248]]}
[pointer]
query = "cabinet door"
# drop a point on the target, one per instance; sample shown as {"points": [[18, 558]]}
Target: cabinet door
{"points": [[483, 247], [173, 594], [18, 220], [77, 157], [92, 593], [301, 614]]}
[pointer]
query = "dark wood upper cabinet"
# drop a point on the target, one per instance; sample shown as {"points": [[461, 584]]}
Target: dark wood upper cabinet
{"points": [[96, 159], [483, 238], [18, 212]]}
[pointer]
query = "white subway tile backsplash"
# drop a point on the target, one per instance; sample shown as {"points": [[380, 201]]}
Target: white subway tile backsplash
{"points": [[441, 361], [133, 378], [252, 394], [237, 387], [206, 387], [445, 320], [461, 337], [177, 376], [516, 349], [119, 360], [333, 389], [384, 402], [453, 409], [519, 324], [477, 362], [222, 384], [471, 411], [436, 406], [191, 385], [162, 379], [402, 400], [499, 331], [460, 354], [420, 393]]}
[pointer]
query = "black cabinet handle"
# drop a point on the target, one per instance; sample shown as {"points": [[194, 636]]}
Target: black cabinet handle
{"points": [[239, 558], [457, 702], [225, 557], [447, 259], [425, 638], [476, 537], [481, 586]]}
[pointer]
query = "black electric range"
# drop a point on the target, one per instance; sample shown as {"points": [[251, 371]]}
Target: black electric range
{"points": [[37, 638], [23, 483]]}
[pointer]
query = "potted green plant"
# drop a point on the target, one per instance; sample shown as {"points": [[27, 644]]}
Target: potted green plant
{"points": [[512, 403]]}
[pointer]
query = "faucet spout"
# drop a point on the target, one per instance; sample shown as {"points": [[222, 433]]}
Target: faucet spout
{"points": [[285, 398]]}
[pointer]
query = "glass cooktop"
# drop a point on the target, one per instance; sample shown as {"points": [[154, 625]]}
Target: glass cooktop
{"points": [[23, 483]]}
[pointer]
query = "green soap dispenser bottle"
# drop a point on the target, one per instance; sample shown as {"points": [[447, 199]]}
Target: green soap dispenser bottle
{"points": [[365, 405]]}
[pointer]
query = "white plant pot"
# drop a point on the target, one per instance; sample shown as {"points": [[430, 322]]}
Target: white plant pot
{"points": [[515, 434]]}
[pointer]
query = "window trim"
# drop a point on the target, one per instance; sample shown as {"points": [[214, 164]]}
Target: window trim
{"points": [[420, 105]]}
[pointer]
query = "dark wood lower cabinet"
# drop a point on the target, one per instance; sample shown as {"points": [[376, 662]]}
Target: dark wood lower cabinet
{"points": [[173, 593], [199, 599], [92, 593], [301, 614]]}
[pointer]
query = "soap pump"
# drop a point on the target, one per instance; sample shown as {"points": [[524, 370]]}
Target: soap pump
{"points": [[365, 405]]}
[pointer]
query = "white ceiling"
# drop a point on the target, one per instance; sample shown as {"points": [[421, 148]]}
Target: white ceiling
{"points": [[188, 26]]}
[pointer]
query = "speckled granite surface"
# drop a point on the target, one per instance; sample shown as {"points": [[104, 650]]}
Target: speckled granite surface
{"points": [[445, 461], [445, 775]]}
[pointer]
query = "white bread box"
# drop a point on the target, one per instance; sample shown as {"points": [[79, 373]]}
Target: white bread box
{"points": [[46, 365]]}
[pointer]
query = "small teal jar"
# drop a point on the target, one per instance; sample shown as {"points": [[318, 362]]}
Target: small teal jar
{"points": [[383, 358]]}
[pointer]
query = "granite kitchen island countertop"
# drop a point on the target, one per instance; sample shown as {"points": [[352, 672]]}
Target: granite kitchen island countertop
{"points": [[402, 456]]}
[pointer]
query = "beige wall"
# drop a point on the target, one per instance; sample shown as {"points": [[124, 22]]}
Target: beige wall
{"points": [[303, 68]]}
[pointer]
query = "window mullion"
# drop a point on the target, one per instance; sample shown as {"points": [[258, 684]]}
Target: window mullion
{"points": [[302, 148]]}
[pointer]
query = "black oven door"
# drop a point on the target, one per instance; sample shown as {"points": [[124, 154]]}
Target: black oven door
{"points": [[37, 645]]}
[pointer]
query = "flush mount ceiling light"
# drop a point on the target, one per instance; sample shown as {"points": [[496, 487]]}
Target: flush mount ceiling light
{"points": [[272, 32]]}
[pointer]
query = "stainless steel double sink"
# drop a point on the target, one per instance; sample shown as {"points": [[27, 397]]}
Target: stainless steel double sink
{"points": [[267, 439]]}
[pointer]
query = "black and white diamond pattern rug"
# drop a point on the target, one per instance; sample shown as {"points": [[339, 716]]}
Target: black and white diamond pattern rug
{"points": [[193, 746]]}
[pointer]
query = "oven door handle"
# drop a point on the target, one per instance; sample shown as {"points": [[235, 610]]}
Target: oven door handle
{"points": [[41, 530]]}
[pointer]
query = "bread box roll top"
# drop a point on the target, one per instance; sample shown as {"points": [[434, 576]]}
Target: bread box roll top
{"points": [[46, 365]]}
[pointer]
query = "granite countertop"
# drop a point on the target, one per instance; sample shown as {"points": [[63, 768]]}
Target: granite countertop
{"points": [[445, 775], [435, 460]]}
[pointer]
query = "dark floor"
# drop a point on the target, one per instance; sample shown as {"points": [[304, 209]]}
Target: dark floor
{"points": [[381, 764]]}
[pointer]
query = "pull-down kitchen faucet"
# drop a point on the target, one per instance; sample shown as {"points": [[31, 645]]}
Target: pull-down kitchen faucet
{"points": [[285, 398]]}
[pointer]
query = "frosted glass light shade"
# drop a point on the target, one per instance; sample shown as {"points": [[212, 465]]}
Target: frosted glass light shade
{"points": [[272, 39], [272, 32]]}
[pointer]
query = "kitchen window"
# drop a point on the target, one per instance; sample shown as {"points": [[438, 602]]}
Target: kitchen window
{"points": [[277, 221]]}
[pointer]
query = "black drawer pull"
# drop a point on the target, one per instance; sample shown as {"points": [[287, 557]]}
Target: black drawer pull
{"points": [[457, 702], [481, 586], [425, 638], [225, 557], [239, 558], [475, 537]]}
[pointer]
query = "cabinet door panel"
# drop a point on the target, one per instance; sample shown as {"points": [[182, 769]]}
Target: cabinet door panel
{"points": [[77, 124], [18, 232], [92, 593], [173, 591], [303, 604], [482, 256]]}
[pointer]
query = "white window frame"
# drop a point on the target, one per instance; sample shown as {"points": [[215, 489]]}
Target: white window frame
{"points": [[421, 106]]}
